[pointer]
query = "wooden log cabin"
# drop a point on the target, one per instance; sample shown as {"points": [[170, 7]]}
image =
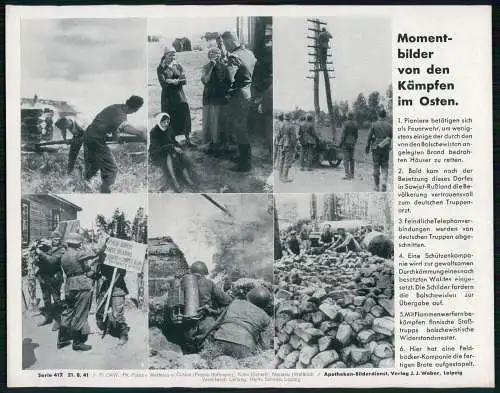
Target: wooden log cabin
{"points": [[42, 213]]}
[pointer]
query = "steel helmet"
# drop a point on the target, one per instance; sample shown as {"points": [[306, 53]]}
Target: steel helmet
{"points": [[259, 296], [200, 268], [74, 239], [55, 235]]}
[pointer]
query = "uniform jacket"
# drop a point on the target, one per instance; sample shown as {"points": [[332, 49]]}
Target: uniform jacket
{"points": [[349, 134], [307, 136], [241, 63], [379, 131], [243, 324], [50, 261], [211, 295], [74, 264], [287, 135]]}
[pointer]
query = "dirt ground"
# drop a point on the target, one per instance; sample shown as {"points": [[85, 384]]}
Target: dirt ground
{"points": [[40, 346], [328, 179], [46, 171], [214, 173]]}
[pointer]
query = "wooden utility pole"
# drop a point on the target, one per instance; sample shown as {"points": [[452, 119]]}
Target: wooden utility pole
{"points": [[319, 64]]}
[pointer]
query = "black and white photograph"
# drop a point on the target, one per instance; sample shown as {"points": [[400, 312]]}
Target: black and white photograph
{"points": [[83, 108], [334, 281], [210, 110], [333, 104], [84, 274], [210, 281]]}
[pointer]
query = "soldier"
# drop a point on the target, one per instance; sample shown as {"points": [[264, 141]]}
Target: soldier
{"points": [[51, 279], [66, 124], [112, 119], [278, 125], [309, 142], [293, 245], [345, 242], [78, 290], [304, 236], [244, 326], [241, 63], [287, 145], [379, 140], [323, 39], [211, 300], [347, 143], [116, 323]]}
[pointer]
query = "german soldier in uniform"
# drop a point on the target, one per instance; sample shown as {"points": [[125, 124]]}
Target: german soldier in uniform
{"points": [[347, 143], [309, 141], [287, 145], [117, 325], [241, 63], [78, 289], [379, 140], [112, 119], [50, 278], [244, 326], [211, 300]]}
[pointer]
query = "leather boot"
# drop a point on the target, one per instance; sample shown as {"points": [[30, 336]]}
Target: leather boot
{"points": [[46, 321], [244, 161], [62, 338], [56, 324], [377, 182], [79, 343], [383, 188]]}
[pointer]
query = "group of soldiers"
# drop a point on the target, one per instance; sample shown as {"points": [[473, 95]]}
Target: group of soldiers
{"points": [[229, 326], [111, 122], [292, 137], [82, 270], [339, 240]]}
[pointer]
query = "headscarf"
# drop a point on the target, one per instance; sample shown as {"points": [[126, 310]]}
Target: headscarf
{"points": [[213, 50], [168, 49], [159, 117]]}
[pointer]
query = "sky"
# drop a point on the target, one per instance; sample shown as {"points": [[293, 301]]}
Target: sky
{"points": [[91, 63], [180, 216], [188, 27], [361, 59], [94, 204]]}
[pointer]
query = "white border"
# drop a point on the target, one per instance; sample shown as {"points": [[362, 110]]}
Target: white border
{"points": [[482, 376]]}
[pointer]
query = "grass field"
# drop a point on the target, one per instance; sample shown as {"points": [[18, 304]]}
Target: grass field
{"points": [[214, 173]]}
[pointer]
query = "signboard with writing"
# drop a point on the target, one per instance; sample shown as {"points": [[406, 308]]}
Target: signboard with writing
{"points": [[125, 254]]}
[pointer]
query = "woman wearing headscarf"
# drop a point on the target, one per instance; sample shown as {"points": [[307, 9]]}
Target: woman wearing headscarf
{"points": [[215, 77], [173, 100], [167, 153]]}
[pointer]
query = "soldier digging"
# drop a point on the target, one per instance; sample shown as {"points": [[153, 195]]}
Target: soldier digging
{"points": [[98, 156], [379, 141], [51, 279]]}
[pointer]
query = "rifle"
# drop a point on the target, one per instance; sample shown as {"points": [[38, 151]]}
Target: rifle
{"points": [[123, 139]]}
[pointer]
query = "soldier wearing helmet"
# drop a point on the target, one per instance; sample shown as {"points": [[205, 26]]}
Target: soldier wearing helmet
{"points": [[246, 325], [309, 142], [50, 278], [212, 300], [286, 146], [379, 141], [78, 290]]}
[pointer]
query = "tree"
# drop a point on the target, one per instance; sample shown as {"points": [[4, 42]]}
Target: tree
{"points": [[360, 109], [344, 109], [388, 95], [373, 105]]}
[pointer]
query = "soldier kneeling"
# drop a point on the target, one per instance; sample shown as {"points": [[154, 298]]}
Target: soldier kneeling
{"points": [[243, 328]]}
